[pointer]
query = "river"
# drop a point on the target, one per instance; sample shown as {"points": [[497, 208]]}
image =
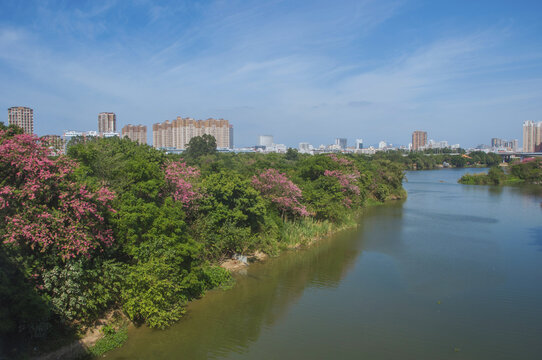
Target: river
{"points": [[453, 272]]}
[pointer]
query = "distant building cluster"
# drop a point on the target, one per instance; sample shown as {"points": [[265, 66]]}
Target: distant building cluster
{"points": [[420, 142], [532, 136], [341, 143], [267, 144], [443, 144], [176, 134], [55, 143], [107, 127], [136, 133], [305, 147], [500, 145]]}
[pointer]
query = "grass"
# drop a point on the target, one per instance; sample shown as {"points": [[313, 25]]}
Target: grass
{"points": [[304, 231], [113, 339]]}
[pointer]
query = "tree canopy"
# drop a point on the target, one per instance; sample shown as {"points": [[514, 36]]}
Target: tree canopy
{"points": [[201, 145]]}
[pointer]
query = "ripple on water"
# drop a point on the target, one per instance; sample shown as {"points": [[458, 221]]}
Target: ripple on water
{"points": [[454, 217]]}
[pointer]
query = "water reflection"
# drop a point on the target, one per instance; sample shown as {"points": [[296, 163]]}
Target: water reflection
{"points": [[428, 249], [495, 190], [449, 217]]}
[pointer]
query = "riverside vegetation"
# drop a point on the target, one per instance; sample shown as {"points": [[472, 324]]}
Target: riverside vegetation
{"points": [[529, 172], [115, 225]]}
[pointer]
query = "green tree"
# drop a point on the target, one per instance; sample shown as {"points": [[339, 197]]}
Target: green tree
{"points": [[201, 145], [292, 154], [496, 175], [231, 214], [530, 172]]}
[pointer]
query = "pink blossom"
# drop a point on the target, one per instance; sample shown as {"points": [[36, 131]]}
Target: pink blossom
{"points": [[347, 183], [281, 191], [180, 179], [340, 160], [43, 209]]}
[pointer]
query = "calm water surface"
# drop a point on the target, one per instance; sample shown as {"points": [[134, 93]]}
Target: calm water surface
{"points": [[454, 272]]}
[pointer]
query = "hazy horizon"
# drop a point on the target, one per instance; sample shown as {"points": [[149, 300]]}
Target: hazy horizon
{"points": [[301, 71]]}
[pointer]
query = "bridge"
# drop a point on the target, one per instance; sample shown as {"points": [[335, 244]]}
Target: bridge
{"points": [[507, 156]]}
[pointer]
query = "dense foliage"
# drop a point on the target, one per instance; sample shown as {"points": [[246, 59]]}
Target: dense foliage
{"points": [[529, 172], [115, 224]]}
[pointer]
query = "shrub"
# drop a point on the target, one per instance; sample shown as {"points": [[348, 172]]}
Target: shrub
{"points": [[217, 277], [112, 340]]}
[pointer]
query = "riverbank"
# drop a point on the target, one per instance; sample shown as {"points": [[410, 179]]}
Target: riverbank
{"points": [[296, 236], [300, 235], [109, 333]]}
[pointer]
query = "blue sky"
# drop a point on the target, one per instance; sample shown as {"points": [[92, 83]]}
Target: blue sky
{"points": [[303, 71]]}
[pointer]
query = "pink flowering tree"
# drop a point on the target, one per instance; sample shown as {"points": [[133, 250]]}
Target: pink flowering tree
{"points": [[340, 160], [347, 181], [180, 179], [42, 209], [276, 187]]}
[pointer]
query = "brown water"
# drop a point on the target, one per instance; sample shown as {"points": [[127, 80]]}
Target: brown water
{"points": [[454, 272]]}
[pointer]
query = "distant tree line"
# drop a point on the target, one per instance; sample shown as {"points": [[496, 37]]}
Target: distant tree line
{"points": [[427, 160], [529, 172]]}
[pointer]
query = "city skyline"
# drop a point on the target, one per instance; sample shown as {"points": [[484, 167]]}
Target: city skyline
{"points": [[23, 116], [172, 134], [304, 71]]}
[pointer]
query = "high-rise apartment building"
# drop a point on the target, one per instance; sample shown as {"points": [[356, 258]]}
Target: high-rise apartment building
{"points": [[304, 147], [341, 142], [176, 134], [419, 139], [135, 133], [532, 136], [496, 142], [23, 117], [359, 144], [265, 140], [107, 122]]}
